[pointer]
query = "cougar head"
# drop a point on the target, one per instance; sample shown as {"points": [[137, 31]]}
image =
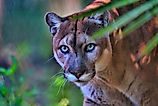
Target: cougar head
{"points": [[73, 46]]}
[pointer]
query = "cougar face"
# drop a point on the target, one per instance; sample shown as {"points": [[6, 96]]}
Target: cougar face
{"points": [[73, 47]]}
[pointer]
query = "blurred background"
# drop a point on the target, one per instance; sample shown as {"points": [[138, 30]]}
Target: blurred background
{"points": [[27, 74]]}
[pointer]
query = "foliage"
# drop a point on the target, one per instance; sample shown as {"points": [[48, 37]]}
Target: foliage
{"points": [[150, 45], [131, 21], [109, 6], [12, 68], [128, 17], [27, 81]]}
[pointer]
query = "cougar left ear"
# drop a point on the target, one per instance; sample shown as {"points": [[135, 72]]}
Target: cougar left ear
{"points": [[104, 18], [100, 18], [54, 21]]}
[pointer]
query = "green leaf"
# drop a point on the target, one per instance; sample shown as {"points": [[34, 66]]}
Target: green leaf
{"points": [[12, 68], [3, 90], [59, 81], [109, 6], [123, 20], [150, 45], [140, 21], [18, 101]]}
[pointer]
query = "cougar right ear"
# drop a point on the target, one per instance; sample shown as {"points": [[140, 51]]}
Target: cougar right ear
{"points": [[54, 21]]}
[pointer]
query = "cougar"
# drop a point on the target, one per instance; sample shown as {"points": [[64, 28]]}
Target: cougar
{"points": [[105, 69]]}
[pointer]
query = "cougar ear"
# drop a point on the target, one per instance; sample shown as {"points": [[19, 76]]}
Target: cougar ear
{"points": [[104, 18], [100, 18], [54, 21]]}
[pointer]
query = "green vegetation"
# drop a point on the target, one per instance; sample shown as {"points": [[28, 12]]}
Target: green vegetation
{"points": [[131, 21], [26, 47]]}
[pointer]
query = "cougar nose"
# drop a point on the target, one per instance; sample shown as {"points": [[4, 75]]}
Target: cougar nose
{"points": [[78, 74]]}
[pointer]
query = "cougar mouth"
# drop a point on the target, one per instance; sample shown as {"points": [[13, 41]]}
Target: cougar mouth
{"points": [[84, 79], [80, 81]]}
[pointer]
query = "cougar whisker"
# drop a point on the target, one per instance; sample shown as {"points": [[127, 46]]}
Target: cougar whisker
{"points": [[59, 73], [61, 86], [52, 83], [64, 86], [52, 57]]}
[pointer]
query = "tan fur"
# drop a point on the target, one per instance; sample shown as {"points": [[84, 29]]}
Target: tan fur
{"points": [[133, 82], [101, 64]]}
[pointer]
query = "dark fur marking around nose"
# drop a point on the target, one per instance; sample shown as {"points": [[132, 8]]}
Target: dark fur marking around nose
{"points": [[77, 73]]}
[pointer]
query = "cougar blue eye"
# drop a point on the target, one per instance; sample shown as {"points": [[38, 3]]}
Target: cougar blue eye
{"points": [[64, 49], [90, 47]]}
